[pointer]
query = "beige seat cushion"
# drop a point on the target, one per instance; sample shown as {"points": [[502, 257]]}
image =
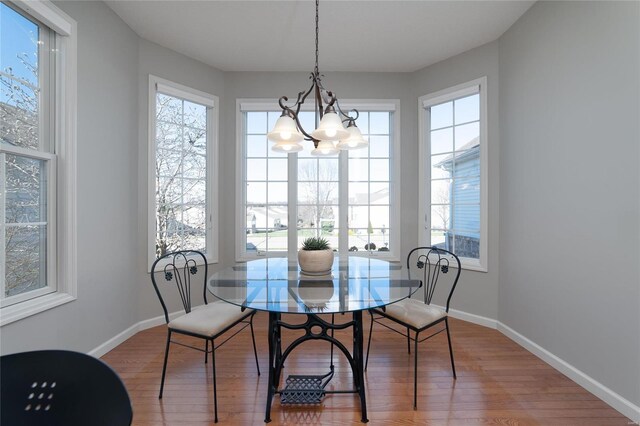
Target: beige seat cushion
{"points": [[208, 320], [414, 312]]}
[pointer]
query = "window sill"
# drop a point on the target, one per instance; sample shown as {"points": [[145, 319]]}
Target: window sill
{"points": [[388, 256], [473, 265], [25, 309]]}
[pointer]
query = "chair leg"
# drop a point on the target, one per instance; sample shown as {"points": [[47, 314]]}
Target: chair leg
{"points": [[366, 363], [206, 350], [453, 366], [253, 339], [415, 375], [215, 389], [408, 341], [164, 366]]}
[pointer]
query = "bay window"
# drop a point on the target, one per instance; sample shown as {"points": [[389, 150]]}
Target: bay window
{"points": [[346, 198]]}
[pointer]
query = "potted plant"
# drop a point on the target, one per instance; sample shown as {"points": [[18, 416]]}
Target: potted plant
{"points": [[315, 257]]}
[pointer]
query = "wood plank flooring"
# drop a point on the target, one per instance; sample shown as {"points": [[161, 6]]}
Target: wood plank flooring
{"points": [[499, 383]]}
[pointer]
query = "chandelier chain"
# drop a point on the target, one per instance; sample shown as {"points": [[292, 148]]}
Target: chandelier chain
{"points": [[317, 5]]}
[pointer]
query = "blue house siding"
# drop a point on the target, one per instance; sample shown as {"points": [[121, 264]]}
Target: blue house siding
{"points": [[465, 196]]}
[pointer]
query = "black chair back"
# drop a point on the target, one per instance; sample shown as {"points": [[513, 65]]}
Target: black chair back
{"points": [[177, 268], [56, 387], [431, 265]]}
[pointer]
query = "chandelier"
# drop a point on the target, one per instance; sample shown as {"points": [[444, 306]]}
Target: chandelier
{"points": [[330, 135]]}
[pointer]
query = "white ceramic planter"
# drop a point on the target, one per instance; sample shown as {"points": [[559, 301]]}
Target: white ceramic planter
{"points": [[315, 262], [315, 291]]}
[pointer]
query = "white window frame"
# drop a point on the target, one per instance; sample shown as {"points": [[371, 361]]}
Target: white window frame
{"points": [[424, 220], [167, 87], [60, 165], [388, 105]]}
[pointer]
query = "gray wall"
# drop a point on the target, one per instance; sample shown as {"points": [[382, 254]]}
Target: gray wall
{"points": [[107, 207], [477, 292], [173, 66], [570, 185]]}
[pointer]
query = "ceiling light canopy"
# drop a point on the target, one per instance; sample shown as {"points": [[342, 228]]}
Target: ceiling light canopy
{"points": [[288, 132]]}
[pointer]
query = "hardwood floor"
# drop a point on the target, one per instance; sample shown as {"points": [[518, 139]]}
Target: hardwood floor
{"points": [[498, 383]]}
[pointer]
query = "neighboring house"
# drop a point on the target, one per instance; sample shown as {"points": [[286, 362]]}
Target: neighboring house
{"points": [[271, 218], [464, 219], [380, 197]]}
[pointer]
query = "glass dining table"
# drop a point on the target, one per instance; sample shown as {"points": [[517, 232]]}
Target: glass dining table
{"points": [[276, 285]]}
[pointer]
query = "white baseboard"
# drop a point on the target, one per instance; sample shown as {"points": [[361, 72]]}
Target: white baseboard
{"points": [[615, 400], [473, 318], [130, 332]]}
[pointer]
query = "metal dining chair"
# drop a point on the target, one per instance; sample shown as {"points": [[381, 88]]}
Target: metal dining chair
{"points": [[54, 387], [209, 322], [430, 265]]}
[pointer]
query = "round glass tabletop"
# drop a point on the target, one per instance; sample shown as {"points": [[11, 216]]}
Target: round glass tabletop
{"points": [[276, 285]]}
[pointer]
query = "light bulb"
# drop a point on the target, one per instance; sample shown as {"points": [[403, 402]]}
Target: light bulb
{"points": [[352, 143], [286, 147], [285, 135], [331, 133]]}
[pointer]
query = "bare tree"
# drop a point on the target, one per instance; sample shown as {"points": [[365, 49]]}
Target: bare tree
{"points": [[24, 201], [19, 106], [440, 206], [180, 168], [314, 184]]}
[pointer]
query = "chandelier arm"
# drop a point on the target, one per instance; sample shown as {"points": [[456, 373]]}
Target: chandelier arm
{"points": [[308, 137], [281, 102], [347, 116], [330, 96], [319, 102]]}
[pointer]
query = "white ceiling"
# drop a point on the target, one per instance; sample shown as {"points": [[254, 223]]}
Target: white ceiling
{"points": [[380, 36]]}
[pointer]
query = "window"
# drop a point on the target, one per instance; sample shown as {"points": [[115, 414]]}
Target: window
{"points": [[345, 198], [266, 200], [183, 150], [453, 171], [37, 110], [369, 185]]}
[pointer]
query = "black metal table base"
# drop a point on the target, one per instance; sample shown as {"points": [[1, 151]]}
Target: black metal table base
{"points": [[304, 389]]}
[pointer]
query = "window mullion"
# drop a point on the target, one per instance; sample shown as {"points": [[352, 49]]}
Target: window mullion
{"points": [[343, 202], [317, 197], [3, 193], [44, 251], [452, 196], [182, 130], [292, 207], [427, 178], [210, 188], [266, 191]]}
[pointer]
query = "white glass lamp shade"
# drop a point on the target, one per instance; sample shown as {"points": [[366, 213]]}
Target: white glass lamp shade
{"points": [[330, 128], [285, 130], [354, 141], [287, 147], [325, 148]]}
